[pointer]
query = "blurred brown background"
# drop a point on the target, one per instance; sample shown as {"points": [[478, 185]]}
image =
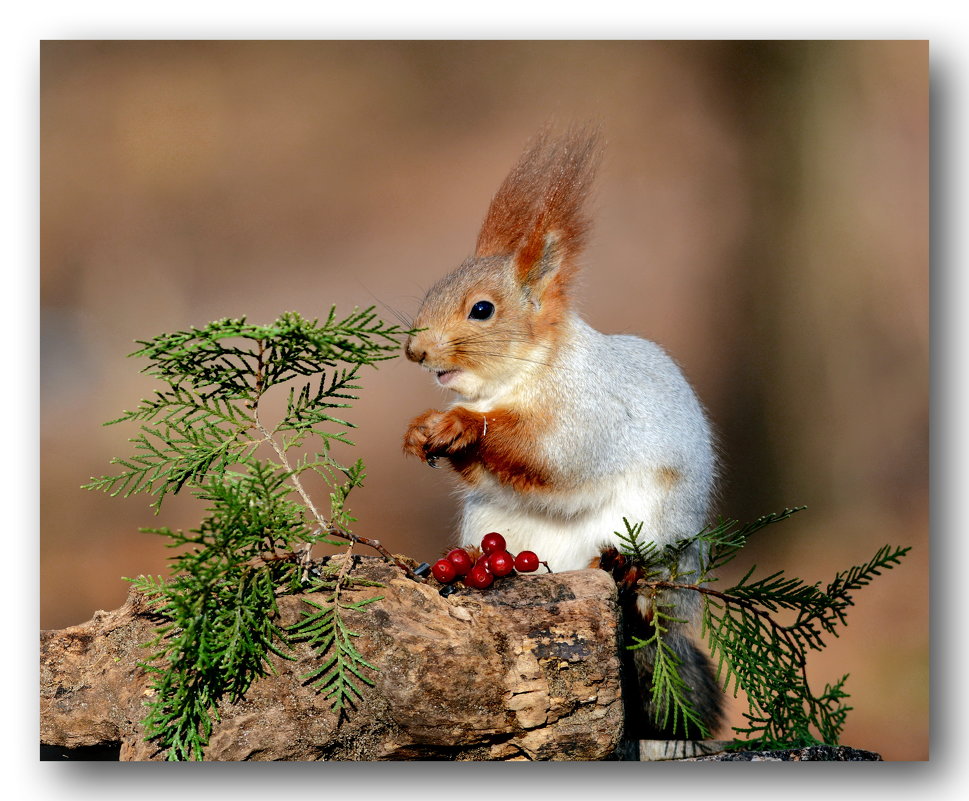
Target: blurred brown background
{"points": [[762, 212]]}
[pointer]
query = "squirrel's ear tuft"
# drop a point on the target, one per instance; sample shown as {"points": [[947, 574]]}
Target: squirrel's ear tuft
{"points": [[538, 212]]}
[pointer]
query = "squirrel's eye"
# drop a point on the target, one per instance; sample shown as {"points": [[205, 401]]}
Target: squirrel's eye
{"points": [[481, 310]]}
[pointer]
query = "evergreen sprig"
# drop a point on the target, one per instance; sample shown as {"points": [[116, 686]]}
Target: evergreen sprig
{"points": [[324, 629], [754, 649], [669, 691], [205, 431]]}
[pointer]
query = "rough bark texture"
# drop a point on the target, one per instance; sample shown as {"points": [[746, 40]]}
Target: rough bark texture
{"points": [[528, 669]]}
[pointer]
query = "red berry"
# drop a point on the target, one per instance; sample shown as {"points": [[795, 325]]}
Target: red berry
{"points": [[501, 563], [493, 542], [461, 561], [444, 571], [483, 561], [526, 562], [478, 577]]}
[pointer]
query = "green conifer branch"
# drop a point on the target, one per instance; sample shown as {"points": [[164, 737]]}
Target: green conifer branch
{"points": [[753, 648], [204, 432]]}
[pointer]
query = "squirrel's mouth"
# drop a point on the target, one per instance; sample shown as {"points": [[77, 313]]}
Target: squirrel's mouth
{"points": [[445, 377]]}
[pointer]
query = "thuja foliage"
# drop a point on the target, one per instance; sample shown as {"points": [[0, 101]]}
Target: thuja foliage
{"points": [[205, 432], [760, 632]]}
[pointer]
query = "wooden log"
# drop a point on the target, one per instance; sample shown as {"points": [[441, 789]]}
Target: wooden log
{"points": [[528, 669]]}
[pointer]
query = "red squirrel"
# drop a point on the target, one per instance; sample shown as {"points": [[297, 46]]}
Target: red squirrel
{"points": [[558, 432]]}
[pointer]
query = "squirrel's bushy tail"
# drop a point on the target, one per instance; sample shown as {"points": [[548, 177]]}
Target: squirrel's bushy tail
{"points": [[645, 719], [703, 694]]}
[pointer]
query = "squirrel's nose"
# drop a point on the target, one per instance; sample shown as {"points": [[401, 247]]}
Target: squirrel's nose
{"points": [[414, 352]]}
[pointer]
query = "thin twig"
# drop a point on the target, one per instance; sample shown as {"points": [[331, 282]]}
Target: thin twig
{"points": [[344, 569], [332, 530], [325, 527]]}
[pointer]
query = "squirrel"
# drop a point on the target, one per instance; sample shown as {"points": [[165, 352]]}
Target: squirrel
{"points": [[558, 431]]}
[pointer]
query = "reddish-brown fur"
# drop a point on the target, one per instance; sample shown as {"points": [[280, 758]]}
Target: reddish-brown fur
{"points": [[543, 194], [505, 449]]}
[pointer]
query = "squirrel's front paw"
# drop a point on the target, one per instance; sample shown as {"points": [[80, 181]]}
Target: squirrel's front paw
{"points": [[435, 434], [419, 432]]}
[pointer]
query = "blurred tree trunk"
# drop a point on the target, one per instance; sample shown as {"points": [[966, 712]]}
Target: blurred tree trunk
{"points": [[830, 299]]}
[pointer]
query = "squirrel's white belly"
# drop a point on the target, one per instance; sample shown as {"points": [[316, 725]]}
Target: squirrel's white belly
{"points": [[568, 530]]}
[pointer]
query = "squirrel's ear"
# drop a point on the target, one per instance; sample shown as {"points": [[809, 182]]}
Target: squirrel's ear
{"points": [[538, 212], [538, 268]]}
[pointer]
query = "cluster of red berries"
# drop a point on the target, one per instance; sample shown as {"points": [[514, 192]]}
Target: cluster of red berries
{"points": [[494, 562]]}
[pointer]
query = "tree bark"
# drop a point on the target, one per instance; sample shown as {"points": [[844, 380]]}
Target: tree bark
{"points": [[527, 669]]}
